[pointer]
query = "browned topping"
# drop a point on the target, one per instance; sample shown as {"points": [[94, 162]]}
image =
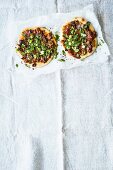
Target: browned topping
{"points": [[37, 46], [83, 19], [78, 38]]}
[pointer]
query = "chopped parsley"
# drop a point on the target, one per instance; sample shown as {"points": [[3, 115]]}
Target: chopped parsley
{"points": [[56, 55], [17, 65], [102, 41], [61, 60], [63, 52], [57, 36], [87, 25]]}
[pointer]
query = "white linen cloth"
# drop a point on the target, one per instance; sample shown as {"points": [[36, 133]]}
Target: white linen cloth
{"points": [[57, 121]]}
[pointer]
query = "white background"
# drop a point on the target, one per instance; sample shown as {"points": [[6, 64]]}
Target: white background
{"points": [[79, 101]]}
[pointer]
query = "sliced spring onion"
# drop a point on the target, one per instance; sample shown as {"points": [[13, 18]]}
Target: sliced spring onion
{"points": [[63, 52]]}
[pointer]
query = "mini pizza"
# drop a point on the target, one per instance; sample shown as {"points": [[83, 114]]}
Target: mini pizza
{"points": [[37, 46], [79, 38]]}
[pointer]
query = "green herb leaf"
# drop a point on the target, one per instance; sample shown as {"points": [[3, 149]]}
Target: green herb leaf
{"points": [[61, 60], [77, 43], [56, 55], [23, 45], [76, 50], [72, 30], [57, 36], [17, 49], [83, 35], [63, 52], [102, 41], [16, 65], [75, 37], [87, 25]]}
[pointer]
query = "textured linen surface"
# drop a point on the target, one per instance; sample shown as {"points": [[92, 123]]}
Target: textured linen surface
{"points": [[57, 121]]}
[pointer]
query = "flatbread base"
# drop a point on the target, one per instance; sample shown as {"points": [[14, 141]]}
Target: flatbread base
{"points": [[95, 42], [39, 64]]}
